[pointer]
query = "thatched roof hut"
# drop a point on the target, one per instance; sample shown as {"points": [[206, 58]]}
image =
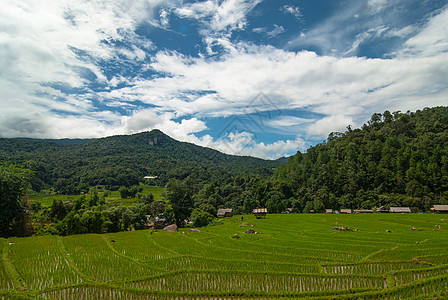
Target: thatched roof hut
{"points": [[260, 212], [441, 209], [224, 212]]}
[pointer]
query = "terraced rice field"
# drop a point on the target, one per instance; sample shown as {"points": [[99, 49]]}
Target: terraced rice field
{"points": [[291, 256]]}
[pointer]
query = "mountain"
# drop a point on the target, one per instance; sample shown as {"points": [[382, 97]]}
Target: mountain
{"points": [[397, 159], [72, 165]]}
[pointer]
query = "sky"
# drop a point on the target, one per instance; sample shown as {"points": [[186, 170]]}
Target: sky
{"points": [[264, 78]]}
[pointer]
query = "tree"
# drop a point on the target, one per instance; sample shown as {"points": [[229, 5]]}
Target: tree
{"points": [[124, 192], [58, 210], [14, 182], [180, 195], [201, 218]]}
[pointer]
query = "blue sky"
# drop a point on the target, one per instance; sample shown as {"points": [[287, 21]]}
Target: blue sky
{"points": [[261, 78]]}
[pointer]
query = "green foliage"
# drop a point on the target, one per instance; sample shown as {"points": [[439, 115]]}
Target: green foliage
{"points": [[201, 218], [129, 192], [59, 209], [180, 196], [14, 182], [71, 168], [394, 154]]}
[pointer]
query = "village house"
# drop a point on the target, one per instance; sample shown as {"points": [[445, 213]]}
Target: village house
{"points": [[400, 210], [382, 209], [440, 209], [363, 211], [260, 212], [225, 212], [345, 211]]}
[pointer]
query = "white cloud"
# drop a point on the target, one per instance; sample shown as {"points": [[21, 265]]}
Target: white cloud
{"points": [[164, 19], [43, 125], [333, 33], [365, 36], [244, 143], [149, 119], [219, 19], [59, 42], [350, 87], [288, 123], [48, 43], [293, 10], [333, 123], [227, 15], [401, 32], [278, 29], [236, 143], [198, 10], [270, 33], [431, 40], [375, 6]]}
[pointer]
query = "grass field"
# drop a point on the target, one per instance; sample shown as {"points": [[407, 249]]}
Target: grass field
{"points": [[46, 199], [290, 257]]}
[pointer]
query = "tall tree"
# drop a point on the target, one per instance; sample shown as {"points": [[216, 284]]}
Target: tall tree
{"points": [[14, 182], [180, 195]]}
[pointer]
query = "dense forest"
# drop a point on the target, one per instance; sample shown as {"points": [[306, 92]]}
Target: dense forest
{"points": [[396, 159], [71, 167]]}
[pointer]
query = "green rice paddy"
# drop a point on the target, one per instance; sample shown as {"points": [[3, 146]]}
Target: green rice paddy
{"points": [[46, 199], [289, 257]]}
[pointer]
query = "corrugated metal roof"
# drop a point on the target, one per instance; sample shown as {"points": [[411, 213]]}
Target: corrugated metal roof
{"points": [[400, 209], [440, 207], [363, 211], [260, 210], [346, 211], [382, 209]]}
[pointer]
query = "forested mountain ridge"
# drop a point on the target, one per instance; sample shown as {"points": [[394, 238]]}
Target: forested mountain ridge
{"points": [[123, 161], [395, 159]]}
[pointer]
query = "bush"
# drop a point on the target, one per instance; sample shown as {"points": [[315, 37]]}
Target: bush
{"points": [[201, 218]]}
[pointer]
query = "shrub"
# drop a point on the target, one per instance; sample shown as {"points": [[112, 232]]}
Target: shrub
{"points": [[201, 218]]}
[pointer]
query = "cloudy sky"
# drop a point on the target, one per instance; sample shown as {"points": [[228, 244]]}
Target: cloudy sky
{"points": [[248, 77]]}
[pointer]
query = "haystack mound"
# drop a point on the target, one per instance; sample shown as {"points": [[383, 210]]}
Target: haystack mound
{"points": [[171, 228]]}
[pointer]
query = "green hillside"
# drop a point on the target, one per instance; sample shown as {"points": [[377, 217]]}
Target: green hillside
{"points": [[289, 257], [397, 159], [124, 161]]}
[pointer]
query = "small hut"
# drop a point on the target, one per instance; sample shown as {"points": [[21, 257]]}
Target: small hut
{"points": [[287, 211], [328, 211], [440, 209], [382, 209], [400, 210], [363, 211], [224, 212], [260, 212], [345, 211], [159, 223]]}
